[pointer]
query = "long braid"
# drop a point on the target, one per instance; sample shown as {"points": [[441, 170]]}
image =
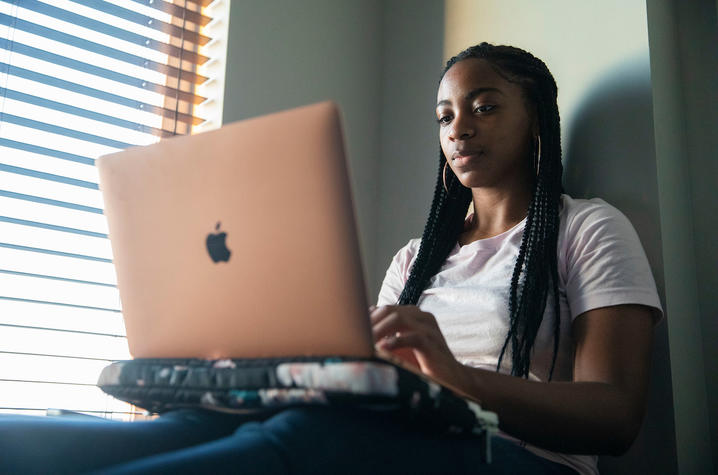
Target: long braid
{"points": [[441, 232], [536, 268]]}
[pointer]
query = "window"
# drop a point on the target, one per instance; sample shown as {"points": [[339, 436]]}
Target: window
{"points": [[79, 79]]}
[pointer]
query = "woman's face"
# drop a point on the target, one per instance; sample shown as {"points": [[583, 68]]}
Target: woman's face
{"points": [[484, 126]]}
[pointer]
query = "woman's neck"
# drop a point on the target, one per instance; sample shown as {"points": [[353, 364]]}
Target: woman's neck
{"points": [[495, 211]]}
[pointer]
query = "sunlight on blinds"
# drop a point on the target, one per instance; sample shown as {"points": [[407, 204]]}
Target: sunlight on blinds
{"points": [[79, 79]]}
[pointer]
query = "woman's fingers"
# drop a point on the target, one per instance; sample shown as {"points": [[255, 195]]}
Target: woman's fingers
{"points": [[406, 328], [408, 312], [405, 339], [387, 324], [385, 320], [390, 319], [377, 314]]}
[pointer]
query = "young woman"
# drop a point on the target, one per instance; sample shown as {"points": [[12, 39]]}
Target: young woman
{"points": [[559, 287], [538, 305]]}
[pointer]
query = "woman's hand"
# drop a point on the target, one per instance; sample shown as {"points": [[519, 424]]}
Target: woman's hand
{"points": [[405, 328]]}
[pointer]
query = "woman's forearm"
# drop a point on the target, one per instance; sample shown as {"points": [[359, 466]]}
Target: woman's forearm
{"points": [[570, 417], [600, 412]]}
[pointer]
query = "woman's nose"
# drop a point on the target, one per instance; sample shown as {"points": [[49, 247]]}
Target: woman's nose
{"points": [[462, 129]]}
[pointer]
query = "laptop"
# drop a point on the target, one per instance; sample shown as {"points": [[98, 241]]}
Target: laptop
{"points": [[240, 242]]}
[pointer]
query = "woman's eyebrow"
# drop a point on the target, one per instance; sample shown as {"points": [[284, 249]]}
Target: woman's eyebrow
{"points": [[471, 94]]}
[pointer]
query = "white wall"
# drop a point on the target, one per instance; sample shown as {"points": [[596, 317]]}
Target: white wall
{"points": [[578, 40]]}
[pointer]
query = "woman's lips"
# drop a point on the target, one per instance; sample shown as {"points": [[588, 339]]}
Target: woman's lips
{"points": [[464, 157]]}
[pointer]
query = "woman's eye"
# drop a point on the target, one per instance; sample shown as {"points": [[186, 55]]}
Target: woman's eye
{"points": [[484, 108], [444, 119]]}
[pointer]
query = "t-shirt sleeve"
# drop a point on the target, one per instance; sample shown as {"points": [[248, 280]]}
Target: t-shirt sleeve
{"points": [[605, 262], [397, 274]]}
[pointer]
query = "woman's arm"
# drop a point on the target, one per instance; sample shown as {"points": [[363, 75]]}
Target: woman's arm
{"points": [[600, 412]]}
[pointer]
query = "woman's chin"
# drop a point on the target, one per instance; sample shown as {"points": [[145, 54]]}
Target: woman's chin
{"points": [[474, 180]]}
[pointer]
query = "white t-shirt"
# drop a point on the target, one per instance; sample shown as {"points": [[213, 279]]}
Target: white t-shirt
{"points": [[600, 263]]}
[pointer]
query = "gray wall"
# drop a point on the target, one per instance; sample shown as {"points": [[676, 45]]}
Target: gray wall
{"points": [[379, 60], [612, 155], [684, 74], [287, 53], [409, 140]]}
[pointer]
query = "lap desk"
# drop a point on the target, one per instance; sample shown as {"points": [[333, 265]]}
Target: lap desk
{"points": [[262, 386]]}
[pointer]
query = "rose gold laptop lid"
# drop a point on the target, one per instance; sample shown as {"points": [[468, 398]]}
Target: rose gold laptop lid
{"points": [[274, 190]]}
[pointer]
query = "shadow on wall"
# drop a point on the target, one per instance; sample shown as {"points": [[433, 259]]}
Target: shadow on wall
{"points": [[611, 155]]}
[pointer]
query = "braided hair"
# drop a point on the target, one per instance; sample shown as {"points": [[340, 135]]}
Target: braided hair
{"points": [[535, 273]]}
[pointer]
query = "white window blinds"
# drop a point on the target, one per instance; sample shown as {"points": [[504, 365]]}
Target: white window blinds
{"points": [[79, 79]]}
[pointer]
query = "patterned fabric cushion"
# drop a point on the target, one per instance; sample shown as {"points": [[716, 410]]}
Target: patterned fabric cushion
{"points": [[266, 385]]}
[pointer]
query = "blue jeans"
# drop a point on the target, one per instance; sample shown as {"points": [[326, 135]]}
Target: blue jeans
{"points": [[310, 440]]}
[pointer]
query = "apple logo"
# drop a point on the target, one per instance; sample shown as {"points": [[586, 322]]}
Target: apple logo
{"points": [[217, 247]]}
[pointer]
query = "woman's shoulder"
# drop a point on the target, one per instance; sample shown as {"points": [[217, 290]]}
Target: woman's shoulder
{"points": [[601, 259], [590, 228], [398, 272], [577, 214], [409, 250]]}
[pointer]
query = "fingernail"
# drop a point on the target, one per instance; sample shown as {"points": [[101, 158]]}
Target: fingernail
{"points": [[389, 341]]}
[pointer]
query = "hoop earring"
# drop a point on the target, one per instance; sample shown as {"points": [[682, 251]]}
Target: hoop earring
{"points": [[537, 160], [443, 176]]}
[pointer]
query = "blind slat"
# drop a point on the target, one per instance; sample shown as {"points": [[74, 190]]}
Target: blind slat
{"points": [[59, 194], [61, 304], [177, 11], [77, 332], [4, 380], [100, 49], [56, 265], [62, 143], [19, 367], [98, 94], [140, 83], [26, 147], [50, 227], [202, 3], [64, 131], [61, 317], [42, 185], [149, 22], [53, 240], [110, 30], [70, 293], [64, 125], [79, 79], [63, 344], [45, 355], [77, 173], [80, 112], [51, 277], [48, 201], [65, 217], [35, 410], [48, 176], [68, 397], [40, 250]]}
